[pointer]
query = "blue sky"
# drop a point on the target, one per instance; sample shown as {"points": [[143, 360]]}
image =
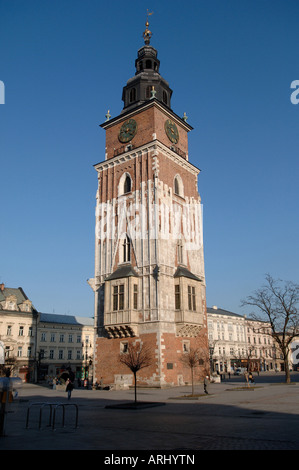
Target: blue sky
{"points": [[230, 65]]}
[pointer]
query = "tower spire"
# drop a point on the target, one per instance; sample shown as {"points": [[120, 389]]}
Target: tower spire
{"points": [[147, 34]]}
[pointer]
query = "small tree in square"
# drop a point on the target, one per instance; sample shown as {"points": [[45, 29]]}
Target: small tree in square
{"points": [[137, 356], [191, 359]]}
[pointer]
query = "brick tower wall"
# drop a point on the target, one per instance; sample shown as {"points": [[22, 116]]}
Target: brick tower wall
{"points": [[167, 368]]}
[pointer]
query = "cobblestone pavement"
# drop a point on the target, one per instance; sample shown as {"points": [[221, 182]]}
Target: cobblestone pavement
{"points": [[231, 417]]}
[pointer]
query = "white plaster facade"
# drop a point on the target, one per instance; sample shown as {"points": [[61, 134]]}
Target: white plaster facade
{"points": [[238, 341]]}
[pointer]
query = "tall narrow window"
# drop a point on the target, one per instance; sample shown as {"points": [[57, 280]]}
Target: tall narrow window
{"points": [[180, 252], [132, 95], [115, 298], [191, 298], [127, 184], [176, 187], [135, 299], [148, 92], [121, 297], [177, 297], [126, 250], [164, 97], [118, 297]]}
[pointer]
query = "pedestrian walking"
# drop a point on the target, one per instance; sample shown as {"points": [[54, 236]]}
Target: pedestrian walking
{"points": [[206, 384], [69, 389]]}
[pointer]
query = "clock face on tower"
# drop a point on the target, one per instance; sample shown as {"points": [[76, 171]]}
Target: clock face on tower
{"points": [[172, 131], [128, 131]]}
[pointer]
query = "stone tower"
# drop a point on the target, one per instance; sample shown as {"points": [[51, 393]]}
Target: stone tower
{"points": [[149, 279]]}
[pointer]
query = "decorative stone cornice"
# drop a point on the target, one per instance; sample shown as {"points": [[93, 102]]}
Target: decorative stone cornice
{"points": [[154, 146]]}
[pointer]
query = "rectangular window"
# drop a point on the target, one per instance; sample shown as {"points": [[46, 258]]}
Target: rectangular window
{"points": [[118, 297], [19, 351], [135, 299], [51, 355], [52, 338], [180, 252], [115, 298], [21, 331], [191, 298], [8, 332], [121, 297], [177, 297], [124, 346]]}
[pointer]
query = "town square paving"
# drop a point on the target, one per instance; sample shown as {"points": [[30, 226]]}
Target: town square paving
{"points": [[264, 416]]}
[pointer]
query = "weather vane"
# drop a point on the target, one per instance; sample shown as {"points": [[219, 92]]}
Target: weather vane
{"points": [[147, 33]]}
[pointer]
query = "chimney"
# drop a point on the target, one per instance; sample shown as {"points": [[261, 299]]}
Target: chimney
{"points": [[2, 287]]}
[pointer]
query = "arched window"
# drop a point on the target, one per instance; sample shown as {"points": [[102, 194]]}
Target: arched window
{"points": [[148, 92], [164, 97], [126, 250], [148, 64], [132, 95], [127, 184], [178, 186], [180, 252]]}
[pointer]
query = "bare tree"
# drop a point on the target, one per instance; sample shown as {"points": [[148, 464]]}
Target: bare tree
{"points": [[137, 357], [277, 303], [191, 359]]}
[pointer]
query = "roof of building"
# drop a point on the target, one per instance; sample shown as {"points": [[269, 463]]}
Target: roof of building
{"points": [[221, 311], [122, 271], [17, 292], [66, 319], [184, 272]]}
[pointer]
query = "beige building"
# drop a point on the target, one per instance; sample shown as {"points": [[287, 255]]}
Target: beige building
{"points": [[227, 340], [18, 331], [236, 341], [262, 351], [65, 343], [38, 345]]}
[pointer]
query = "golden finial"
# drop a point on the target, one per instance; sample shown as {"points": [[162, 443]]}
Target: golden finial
{"points": [[147, 33]]}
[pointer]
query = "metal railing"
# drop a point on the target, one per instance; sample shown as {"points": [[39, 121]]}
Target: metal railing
{"points": [[52, 413]]}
